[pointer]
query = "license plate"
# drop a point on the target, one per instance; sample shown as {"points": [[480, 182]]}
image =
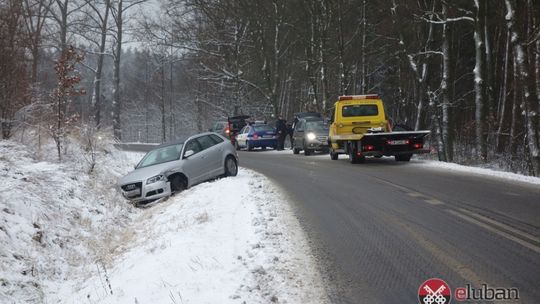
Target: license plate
{"points": [[133, 192], [398, 142], [267, 136]]}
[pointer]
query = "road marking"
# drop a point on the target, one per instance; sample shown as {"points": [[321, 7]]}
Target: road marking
{"points": [[434, 201], [495, 230], [461, 269], [415, 194], [504, 226]]}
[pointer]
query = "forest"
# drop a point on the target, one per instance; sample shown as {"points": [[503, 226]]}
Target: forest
{"points": [[151, 71]]}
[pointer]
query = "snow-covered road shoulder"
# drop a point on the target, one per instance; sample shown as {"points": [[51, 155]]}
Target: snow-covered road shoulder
{"points": [[488, 172], [233, 240]]}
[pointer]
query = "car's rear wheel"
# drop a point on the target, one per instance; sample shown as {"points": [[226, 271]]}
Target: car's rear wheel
{"points": [[354, 158], [296, 151], [178, 183], [231, 166], [403, 157]]}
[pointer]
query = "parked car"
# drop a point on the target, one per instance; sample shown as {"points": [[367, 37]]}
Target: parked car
{"points": [[221, 128], [310, 134], [257, 136], [236, 124], [302, 115], [175, 166]]}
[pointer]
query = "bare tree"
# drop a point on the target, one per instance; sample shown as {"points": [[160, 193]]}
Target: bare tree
{"points": [[119, 10], [14, 80], [62, 95]]}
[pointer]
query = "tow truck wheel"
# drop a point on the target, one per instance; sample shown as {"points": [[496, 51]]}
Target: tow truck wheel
{"points": [[403, 157], [353, 158], [333, 155]]}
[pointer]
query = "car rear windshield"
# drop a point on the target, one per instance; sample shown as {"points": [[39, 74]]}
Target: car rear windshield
{"points": [[360, 110], [316, 126], [263, 128], [161, 155]]}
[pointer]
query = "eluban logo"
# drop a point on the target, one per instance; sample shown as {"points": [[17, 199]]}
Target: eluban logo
{"points": [[434, 291], [485, 293]]}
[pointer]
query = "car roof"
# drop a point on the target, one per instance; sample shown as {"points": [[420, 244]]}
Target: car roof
{"points": [[174, 142], [312, 118], [307, 114], [182, 140]]}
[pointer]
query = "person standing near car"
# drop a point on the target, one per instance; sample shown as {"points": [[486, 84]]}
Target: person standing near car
{"points": [[290, 132], [281, 130]]}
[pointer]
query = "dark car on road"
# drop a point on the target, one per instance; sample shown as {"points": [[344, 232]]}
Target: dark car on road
{"points": [[310, 134], [236, 124], [221, 128]]}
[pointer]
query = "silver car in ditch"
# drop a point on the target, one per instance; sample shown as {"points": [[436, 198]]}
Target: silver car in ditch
{"points": [[178, 165]]}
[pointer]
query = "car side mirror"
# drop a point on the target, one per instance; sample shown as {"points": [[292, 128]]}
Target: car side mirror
{"points": [[188, 153]]}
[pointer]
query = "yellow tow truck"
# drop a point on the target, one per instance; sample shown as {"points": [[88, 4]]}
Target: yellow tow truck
{"points": [[359, 128]]}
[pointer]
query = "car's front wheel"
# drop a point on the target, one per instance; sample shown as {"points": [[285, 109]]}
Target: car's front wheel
{"points": [[178, 183], [231, 166]]}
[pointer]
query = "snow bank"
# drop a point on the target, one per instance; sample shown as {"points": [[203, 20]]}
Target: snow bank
{"points": [[438, 165], [233, 240], [56, 219]]}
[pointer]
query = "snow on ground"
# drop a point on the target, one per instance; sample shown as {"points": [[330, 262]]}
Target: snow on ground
{"points": [[67, 236], [438, 165], [233, 240], [56, 219]]}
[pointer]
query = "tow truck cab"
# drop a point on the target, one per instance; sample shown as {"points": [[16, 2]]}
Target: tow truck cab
{"points": [[359, 128], [356, 115]]}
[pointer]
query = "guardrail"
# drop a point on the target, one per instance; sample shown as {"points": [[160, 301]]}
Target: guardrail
{"points": [[135, 147]]}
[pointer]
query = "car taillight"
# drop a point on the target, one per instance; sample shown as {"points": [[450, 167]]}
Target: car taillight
{"points": [[417, 146], [227, 131], [369, 148], [255, 136]]}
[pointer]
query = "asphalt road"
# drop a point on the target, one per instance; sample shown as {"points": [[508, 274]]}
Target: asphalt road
{"points": [[381, 228]]}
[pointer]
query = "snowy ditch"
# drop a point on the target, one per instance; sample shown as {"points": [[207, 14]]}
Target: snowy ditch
{"points": [[67, 237]]}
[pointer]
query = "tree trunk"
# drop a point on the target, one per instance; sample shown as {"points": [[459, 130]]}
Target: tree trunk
{"points": [[502, 101], [117, 106], [447, 139], [479, 80], [96, 96], [526, 82]]}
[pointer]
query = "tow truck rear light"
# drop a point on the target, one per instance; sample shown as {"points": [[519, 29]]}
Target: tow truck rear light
{"points": [[352, 97], [417, 146], [369, 148]]}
